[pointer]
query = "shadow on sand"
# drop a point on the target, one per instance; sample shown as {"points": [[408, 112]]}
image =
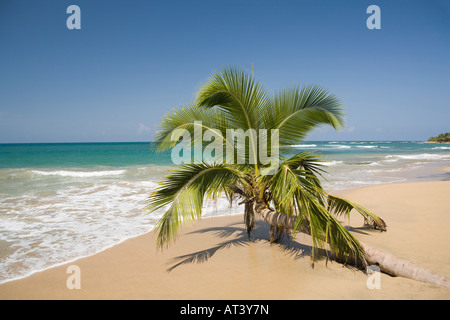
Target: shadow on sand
{"points": [[239, 238]]}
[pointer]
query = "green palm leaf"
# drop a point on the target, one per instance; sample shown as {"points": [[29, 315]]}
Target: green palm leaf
{"points": [[187, 118], [238, 94], [297, 111], [184, 190], [295, 191], [233, 99], [342, 206]]}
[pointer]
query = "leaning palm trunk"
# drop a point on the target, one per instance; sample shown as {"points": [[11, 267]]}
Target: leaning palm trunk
{"points": [[387, 262], [398, 267]]}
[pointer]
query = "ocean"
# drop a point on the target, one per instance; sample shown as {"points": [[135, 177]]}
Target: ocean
{"points": [[60, 202]]}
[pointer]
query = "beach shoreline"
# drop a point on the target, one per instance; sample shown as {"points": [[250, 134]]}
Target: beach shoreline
{"points": [[214, 259]]}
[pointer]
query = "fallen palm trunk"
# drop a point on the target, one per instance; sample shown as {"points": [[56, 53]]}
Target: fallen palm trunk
{"points": [[395, 266], [387, 262]]}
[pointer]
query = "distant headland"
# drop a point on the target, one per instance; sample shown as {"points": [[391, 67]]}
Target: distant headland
{"points": [[442, 138]]}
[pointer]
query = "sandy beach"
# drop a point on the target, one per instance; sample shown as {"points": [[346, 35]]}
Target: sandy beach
{"points": [[215, 260]]}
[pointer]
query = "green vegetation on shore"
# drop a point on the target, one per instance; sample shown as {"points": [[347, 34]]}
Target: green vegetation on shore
{"points": [[443, 137]]}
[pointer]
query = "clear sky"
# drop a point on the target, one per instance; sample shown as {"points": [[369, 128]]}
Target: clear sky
{"points": [[132, 61]]}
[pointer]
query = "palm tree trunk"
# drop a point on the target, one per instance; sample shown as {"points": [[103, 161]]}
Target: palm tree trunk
{"points": [[387, 262], [395, 266]]}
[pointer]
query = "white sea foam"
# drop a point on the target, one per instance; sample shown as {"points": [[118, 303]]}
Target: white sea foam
{"points": [[303, 145], [71, 217], [79, 174], [423, 156], [331, 163], [44, 228], [391, 159]]}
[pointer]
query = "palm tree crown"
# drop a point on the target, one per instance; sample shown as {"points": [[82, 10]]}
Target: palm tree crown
{"points": [[287, 193]]}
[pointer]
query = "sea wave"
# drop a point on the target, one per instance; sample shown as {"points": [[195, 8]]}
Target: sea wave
{"points": [[62, 220], [331, 163], [422, 156], [303, 145], [80, 174]]}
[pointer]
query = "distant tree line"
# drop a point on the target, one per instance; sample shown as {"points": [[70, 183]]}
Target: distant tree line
{"points": [[443, 137]]}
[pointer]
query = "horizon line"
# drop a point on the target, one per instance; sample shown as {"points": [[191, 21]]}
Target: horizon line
{"points": [[149, 141]]}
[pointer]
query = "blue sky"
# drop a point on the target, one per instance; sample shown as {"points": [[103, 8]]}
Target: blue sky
{"points": [[133, 61]]}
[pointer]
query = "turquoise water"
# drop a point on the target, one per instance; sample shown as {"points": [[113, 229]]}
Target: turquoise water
{"points": [[60, 202], [48, 155], [88, 155]]}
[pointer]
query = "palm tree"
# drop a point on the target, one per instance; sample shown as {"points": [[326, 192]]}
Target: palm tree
{"points": [[288, 193]]}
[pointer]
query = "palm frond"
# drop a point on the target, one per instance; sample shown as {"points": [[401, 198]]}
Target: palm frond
{"points": [[238, 94], [297, 111], [324, 228], [285, 186], [305, 166], [184, 190], [296, 191], [342, 206], [309, 161], [189, 118]]}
